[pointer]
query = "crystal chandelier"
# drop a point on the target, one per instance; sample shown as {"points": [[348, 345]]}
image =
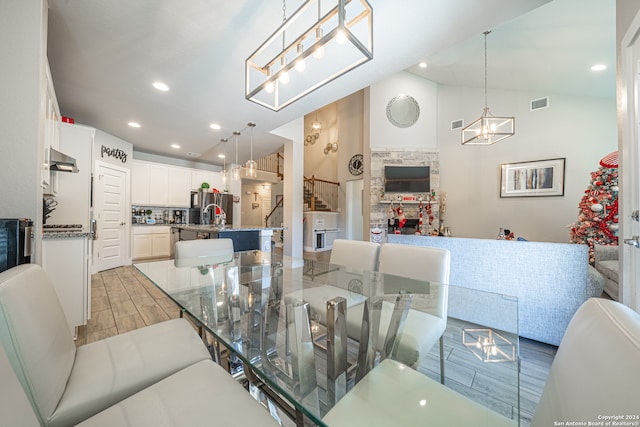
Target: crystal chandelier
{"points": [[488, 129]]}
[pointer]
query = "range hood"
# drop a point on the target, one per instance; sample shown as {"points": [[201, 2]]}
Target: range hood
{"points": [[60, 162]]}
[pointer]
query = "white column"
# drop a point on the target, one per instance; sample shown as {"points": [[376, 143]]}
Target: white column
{"points": [[292, 186]]}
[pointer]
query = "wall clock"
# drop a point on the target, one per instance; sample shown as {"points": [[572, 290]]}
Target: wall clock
{"points": [[356, 165]]}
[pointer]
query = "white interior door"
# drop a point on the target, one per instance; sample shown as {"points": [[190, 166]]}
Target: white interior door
{"points": [[354, 196], [630, 169], [111, 248]]}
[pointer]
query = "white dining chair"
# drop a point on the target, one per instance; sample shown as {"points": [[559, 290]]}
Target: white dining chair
{"points": [[421, 330], [187, 398], [577, 388], [356, 254], [67, 384], [194, 253]]}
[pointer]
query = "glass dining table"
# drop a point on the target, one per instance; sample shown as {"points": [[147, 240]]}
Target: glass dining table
{"points": [[305, 333]]}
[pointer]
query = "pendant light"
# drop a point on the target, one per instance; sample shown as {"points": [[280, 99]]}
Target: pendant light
{"points": [[316, 125], [235, 170], [341, 29], [224, 173], [251, 166], [488, 129]]}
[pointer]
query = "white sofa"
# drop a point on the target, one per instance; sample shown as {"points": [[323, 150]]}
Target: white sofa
{"points": [[550, 280]]}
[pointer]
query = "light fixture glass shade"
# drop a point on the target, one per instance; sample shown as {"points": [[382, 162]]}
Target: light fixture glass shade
{"points": [[488, 130], [235, 170], [225, 176], [297, 39], [235, 173], [251, 169]]}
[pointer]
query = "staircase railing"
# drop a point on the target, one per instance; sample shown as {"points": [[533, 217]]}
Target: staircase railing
{"points": [[321, 195], [273, 211], [272, 163]]}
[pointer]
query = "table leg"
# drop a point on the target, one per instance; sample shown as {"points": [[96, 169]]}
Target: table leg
{"points": [[398, 317], [336, 349], [303, 360], [368, 336]]}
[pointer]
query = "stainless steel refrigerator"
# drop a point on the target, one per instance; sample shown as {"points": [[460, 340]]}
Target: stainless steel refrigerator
{"points": [[200, 199]]}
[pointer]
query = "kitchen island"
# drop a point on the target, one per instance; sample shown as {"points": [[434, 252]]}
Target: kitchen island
{"points": [[244, 238]]}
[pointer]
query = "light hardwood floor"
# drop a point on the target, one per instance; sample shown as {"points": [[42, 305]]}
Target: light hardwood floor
{"points": [[123, 300]]}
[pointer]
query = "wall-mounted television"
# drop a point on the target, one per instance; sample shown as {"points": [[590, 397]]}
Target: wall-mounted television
{"points": [[406, 179]]}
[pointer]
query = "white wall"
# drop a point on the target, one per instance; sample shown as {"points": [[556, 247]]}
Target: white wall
{"points": [[580, 129], [104, 139], [422, 134], [23, 31]]}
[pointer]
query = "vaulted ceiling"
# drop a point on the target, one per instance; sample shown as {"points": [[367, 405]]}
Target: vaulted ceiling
{"points": [[104, 56]]}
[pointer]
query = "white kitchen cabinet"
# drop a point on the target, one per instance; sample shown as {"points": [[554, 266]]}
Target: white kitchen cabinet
{"points": [[66, 262], [149, 184], [141, 245], [154, 184], [212, 178], [160, 244], [179, 187], [139, 183], [158, 185], [151, 241]]}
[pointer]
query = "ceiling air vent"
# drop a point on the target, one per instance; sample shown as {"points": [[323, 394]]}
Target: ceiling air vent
{"points": [[457, 124], [192, 154], [538, 104]]}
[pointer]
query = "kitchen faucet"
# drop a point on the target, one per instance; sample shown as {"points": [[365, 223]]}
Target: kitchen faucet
{"points": [[223, 215]]}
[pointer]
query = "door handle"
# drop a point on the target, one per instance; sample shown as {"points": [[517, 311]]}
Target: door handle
{"points": [[94, 229], [635, 215], [122, 223], [633, 241]]}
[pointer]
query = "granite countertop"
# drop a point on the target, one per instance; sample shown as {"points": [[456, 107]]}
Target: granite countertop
{"points": [[65, 234], [213, 228]]}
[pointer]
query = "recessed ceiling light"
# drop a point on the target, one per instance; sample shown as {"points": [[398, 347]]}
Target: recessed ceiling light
{"points": [[176, 146], [161, 86], [599, 67], [214, 126], [221, 156], [423, 65], [134, 124]]}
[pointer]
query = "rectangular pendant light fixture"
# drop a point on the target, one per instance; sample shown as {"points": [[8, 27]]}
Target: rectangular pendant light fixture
{"points": [[488, 129], [321, 41]]}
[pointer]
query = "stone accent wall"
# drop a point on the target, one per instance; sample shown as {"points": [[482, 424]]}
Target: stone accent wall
{"points": [[380, 211]]}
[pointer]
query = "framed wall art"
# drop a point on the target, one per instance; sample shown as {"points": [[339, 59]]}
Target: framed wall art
{"points": [[532, 179]]}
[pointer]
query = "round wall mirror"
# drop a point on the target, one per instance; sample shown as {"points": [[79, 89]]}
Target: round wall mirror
{"points": [[403, 111]]}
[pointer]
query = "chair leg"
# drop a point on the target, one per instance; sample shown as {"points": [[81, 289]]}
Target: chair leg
{"points": [[442, 359]]}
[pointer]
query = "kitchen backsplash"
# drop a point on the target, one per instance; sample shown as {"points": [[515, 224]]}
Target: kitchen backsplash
{"points": [[150, 215]]}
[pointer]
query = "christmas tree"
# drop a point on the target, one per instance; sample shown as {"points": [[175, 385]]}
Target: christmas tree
{"points": [[598, 209]]}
